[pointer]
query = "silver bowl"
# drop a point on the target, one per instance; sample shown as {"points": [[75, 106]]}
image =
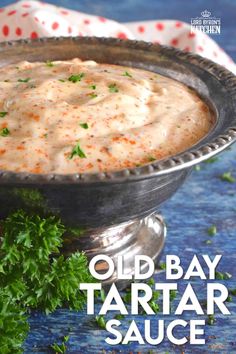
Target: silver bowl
{"points": [[117, 210]]}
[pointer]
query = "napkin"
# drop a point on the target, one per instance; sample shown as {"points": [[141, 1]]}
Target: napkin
{"points": [[33, 19]]}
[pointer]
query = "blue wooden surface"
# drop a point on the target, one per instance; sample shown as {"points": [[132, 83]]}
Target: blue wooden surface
{"points": [[202, 201]]}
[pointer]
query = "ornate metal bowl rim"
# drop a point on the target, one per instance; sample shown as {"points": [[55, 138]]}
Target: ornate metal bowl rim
{"points": [[182, 160]]}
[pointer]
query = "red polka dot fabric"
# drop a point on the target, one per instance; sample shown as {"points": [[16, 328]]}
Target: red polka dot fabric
{"points": [[34, 19], [179, 35]]}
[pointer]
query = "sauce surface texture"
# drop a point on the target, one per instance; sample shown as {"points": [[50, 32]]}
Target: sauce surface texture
{"points": [[74, 117]]}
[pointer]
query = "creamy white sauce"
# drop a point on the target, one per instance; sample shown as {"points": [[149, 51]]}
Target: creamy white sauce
{"points": [[74, 116]]}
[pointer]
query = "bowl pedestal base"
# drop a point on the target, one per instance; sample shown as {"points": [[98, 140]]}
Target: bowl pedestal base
{"points": [[136, 237]]}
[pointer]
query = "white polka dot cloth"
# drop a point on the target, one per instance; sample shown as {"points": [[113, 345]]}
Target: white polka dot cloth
{"points": [[33, 19]]}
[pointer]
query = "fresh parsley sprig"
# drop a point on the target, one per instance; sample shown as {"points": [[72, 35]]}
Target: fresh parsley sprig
{"points": [[14, 326], [113, 88], [49, 63], [3, 114], [77, 151], [84, 125], [126, 73], [227, 177], [76, 78], [24, 80], [61, 348], [4, 132], [32, 275]]}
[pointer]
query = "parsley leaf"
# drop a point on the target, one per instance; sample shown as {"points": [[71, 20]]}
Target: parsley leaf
{"points": [[173, 294], [151, 158], [227, 176], [33, 276], [211, 159], [77, 151], [76, 78], [49, 63], [154, 306], [232, 292], [229, 299], [162, 265], [3, 114], [93, 87], [126, 73], [84, 125], [113, 88], [14, 326], [208, 242], [60, 348], [223, 276], [93, 95], [100, 321], [211, 320], [212, 230], [4, 132], [24, 80]]}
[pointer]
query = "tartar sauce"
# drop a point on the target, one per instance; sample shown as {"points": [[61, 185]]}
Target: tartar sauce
{"points": [[80, 116]]}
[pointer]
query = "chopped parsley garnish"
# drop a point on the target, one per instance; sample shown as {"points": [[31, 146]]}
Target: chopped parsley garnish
{"points": [[151, 282], [76, 78], [102, 295], [154, 306], [4, 132], [229, 299], [84, 125], [151, 158], [24, 80], [211, 159], [173, 294], [3, 114], [232, 292], [49, 63], [100, 321], [162, 265], [211, 320], [93, 87], [227, 276], [223, 276], [127, 297], [208, 242], [227, 177], [61, 80], [77, 151], [61, 348], [126, 73], [212, 230], [113, 88], [93, 95]]}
